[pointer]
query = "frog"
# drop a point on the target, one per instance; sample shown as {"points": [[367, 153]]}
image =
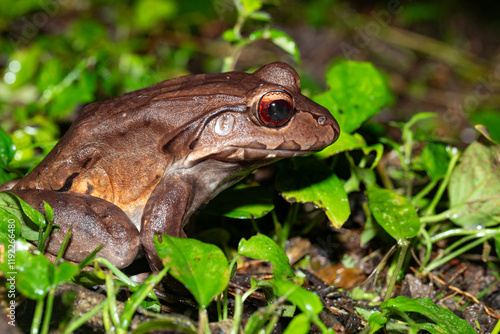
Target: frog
{"points": [[138, 166]]}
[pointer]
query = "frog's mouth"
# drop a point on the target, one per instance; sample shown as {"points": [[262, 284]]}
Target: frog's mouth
{"points": [[236, 154], [250, 153]]}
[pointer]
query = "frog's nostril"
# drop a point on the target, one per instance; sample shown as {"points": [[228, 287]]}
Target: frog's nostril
{"points": [[321, 120]]}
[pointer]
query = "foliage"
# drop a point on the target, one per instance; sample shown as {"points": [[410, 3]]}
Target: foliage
{"points": [[434, 318], [437, 192], [188, 260]]}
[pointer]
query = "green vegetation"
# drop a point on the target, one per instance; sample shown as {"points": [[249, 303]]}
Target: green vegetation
{"points": [[437, 201]]}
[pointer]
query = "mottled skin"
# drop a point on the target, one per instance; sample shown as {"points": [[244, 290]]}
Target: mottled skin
{"points": [[141, 164]]}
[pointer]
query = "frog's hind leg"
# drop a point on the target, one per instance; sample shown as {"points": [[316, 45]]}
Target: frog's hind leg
{"points": [[95, 222]]}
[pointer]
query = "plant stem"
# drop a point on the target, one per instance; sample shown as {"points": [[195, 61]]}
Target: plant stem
{"points": [[460, 231], [399, 265], [122, 277], [287, 226], [437, 218], [48, 310], [230, 62], [203, 321], [105, 317], [37, 318], [113, 312], [454, 245], [320, 324], [408, 145], [386, 180], [433, 265], [423, 192], [442, 187], [219, 310], [428, 244], [271, 324], [238, 308], [80, 320], [138, 297], [64, 244], [224, 305]]}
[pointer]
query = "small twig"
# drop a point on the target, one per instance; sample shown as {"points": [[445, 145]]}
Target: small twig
{"points": [[380, 265]]}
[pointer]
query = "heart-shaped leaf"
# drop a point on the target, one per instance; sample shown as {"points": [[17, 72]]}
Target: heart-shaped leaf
{"points": [[308, 302], [242, 203], [394, 213], [202, 268], [309, 180], [264, 248], [357, 92], [474, 188], [436, 319]]}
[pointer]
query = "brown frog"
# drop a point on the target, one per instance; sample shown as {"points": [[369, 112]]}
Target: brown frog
{"points": [[140, 165]]}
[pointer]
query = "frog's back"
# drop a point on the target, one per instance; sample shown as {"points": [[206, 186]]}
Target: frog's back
{"points": [[115, 150]]}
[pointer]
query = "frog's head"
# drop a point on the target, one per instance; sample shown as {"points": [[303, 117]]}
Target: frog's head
{"points": [[266, 118]]}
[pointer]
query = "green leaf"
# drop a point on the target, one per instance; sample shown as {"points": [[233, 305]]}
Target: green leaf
{"points": [[435, 159], [439, 320], [5, 176], [51, 73], [406, 127], [64, 272], [279, 38], [12, 209], [394, 213], [33, 278], [257, 321], [350, 142], [489, 118], [36, 217], [308, 302], [242, 203], [474, 188], [87, 33], [250, 6], [264, 248], [139, 296], [48, 211], [230, 36], [285, 42], [29, 62], [484, 131], [299, 324], [201, 267], [357, 92], [149, 13], [35, 274], [260, 16], [376, 321], [10, 228], [7, 149], [9, 203], [309, 180], [69, 96]]}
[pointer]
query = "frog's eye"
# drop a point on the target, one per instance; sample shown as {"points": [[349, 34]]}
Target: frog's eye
{"points": [[275, 108]]}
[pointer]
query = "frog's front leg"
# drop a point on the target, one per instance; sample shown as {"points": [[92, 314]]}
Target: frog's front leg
{"points": [[95, 222], [164, 213]]}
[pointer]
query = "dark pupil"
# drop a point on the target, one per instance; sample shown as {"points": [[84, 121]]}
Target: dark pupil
{"points": [[279, 110]]}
